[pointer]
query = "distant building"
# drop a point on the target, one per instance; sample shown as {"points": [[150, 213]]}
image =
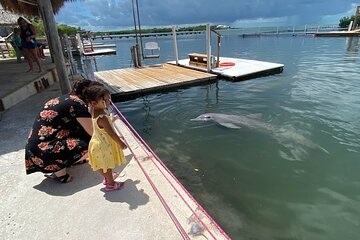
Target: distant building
{"points": [[220, 26]]}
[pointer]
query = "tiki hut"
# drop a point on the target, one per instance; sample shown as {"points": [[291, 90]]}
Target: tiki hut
{"points": [[29, 7], [45, 9], [8, 21]]}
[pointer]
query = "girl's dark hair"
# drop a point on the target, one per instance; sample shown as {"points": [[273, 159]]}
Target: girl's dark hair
{"points": [[95, 93], [80, 86]]}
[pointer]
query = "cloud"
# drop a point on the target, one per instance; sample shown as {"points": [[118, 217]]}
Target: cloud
{"points": [[117, 14]]}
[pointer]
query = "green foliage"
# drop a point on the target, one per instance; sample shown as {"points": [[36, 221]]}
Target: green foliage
{"points": [[62, 28], [69, 30], [155, 30], [39, 27], [345, 21]]}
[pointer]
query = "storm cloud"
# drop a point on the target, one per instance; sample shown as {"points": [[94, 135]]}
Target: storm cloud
{"points": [[115, 14]]}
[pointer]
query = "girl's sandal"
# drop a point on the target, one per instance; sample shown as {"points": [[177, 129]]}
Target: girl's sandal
{"points": [[115, 176], [62, 179], [116, 186]]}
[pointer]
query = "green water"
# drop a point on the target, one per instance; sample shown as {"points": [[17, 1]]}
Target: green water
{"points": [[299, 181]]}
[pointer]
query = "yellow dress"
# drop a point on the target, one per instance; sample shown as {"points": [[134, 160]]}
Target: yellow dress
{"points": [[104, 152]]}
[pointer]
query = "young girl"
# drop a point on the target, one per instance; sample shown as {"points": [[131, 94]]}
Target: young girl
{"points": [[105, 147]]}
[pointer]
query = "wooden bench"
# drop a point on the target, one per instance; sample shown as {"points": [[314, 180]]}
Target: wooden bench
{"points": [[198, 59]]}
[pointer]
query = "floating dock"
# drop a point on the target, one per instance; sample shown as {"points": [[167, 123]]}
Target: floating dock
{"points": [[133, 82], [243, 68], [99, 52]]}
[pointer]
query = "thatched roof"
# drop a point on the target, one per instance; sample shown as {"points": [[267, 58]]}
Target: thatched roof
{"points": [[8, 18], [29, 7]]}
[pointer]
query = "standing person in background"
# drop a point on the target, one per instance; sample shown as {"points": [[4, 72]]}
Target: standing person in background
{"points": [[17, 39], [28, 42]]}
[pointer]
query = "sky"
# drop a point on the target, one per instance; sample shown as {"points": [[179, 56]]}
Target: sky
{"points": [[106, 15]]}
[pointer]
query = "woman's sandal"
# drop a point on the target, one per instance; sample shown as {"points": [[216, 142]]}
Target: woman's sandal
{"points": [[62, 179], [116, 186], [115, 176]]}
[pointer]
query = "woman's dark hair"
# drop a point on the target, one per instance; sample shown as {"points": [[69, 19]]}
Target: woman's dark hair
{"points": [[95, 93], [80, 86]]}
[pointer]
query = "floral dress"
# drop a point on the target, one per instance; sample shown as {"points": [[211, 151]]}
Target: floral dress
{"points": [[57, 140]]}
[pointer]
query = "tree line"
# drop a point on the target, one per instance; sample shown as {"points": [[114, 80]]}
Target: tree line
{"points": [[344, 22]]}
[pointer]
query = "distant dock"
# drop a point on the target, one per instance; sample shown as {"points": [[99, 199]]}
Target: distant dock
{"points": [[132, 35]]}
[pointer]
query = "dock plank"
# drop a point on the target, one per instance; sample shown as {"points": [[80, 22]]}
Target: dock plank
{"points": [[135, 81]]}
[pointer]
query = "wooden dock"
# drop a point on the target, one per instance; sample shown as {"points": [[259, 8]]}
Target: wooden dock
{"points": [[133, 82], [353, 33], [16, 84]]}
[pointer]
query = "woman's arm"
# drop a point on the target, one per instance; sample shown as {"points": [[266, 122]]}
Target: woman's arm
{"points": [[104, 123], [86, 123], [33, 31]]}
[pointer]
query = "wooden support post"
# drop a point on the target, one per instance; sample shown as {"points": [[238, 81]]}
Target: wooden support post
{"points": [[176, 54], [133, 56], [137, 48], [208, 47], [53, 37], [218, 51]]}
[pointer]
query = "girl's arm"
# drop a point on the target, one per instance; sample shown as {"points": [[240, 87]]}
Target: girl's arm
{"points": [[104, 123]]}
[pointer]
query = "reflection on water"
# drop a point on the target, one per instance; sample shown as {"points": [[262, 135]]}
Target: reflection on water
{"points": [[299, 180], [352, 50]]}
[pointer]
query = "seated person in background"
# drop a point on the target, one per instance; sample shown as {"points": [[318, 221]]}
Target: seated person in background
{"points": [[16, 38], [41, 46]]}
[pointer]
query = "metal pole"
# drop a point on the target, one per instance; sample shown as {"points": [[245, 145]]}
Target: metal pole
{"points": [[69, 53], [141, 43], [133, 8], [175, 45], [208, 47]]}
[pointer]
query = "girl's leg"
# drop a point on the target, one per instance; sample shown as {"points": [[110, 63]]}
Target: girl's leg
{"points": [[108, 175], [35, 55], [111, 185], [28, 59]]}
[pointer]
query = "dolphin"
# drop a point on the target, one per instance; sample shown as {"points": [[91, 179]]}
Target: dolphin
{"points": [[281, 134], [235, 121]]}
